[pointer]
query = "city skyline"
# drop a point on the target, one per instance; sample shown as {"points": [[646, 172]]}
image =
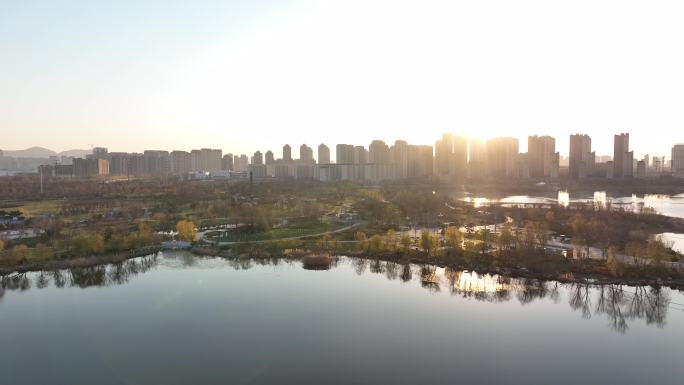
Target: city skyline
{"points": [[452, 157], [564, 147], [601, 145], [341, 191], [248, 75]]}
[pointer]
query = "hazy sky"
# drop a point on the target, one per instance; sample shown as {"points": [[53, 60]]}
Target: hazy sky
{"points": [[248, 75]]}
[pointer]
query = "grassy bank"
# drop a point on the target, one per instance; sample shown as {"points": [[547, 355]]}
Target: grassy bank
{"points": [[80, 262]]}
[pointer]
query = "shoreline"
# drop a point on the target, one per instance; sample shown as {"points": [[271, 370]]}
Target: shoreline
{"points": [[513, 272], [80, 262], [507, 271]]}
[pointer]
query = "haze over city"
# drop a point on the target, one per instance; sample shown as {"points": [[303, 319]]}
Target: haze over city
{"points": [[341, 192], [247, 76]]}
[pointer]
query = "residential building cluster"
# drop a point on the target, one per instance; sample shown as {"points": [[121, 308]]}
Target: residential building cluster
{"points": [[452, 157]]}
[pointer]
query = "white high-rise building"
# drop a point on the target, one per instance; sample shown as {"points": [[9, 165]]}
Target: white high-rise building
{"points": [[678, 158], [323, 154], [378, 152], [344, 154]]}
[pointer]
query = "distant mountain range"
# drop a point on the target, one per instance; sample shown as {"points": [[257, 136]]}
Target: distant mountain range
{"points": [[75, 153], [40, 152]]}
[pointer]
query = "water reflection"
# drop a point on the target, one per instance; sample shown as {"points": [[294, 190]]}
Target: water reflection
{"points": [[618, 304], [406, 273], [392, 270], [600, 201], [429, 278], [672, 206], [477, 201], [83, 277], [676, 239], [563, 198], [621, 305], [471, 282], [360, 265]]}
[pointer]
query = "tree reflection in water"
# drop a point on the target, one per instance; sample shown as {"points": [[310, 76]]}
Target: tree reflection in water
{"points": [[89, 276], [406, 273], [359, 265], [580, 299], [532, 289], [619, 304], [43, 280], [391, 271], [429, 278], [19, 281], [58, 278], [103, 275], [240, 263]]}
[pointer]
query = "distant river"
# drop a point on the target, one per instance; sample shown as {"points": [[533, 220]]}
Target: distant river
{"points": [[181, 319], [672, 206]]}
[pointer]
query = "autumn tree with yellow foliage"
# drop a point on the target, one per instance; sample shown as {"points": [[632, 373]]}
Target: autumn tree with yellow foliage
{"points": [[186, 230]]}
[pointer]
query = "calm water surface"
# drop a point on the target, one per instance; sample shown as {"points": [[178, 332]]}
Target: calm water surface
{"points": [[676, 239], [669, 205], [179, 319]]}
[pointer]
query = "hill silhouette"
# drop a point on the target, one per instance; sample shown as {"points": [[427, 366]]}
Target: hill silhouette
{"points": [[42, 152]]}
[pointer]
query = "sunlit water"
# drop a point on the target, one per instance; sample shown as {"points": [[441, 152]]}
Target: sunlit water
{"points": [[179, 319], [672, 206], [677, 241]]}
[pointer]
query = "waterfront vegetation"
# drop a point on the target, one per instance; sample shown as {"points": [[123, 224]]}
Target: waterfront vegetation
{"points": [[418, 222], [620, 305]]}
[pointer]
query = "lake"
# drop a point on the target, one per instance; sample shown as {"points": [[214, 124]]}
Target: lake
{"points": [[180, 319]]}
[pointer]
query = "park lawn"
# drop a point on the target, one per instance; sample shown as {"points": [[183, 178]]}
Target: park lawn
{"points": [[305, 229], [32, 208]]}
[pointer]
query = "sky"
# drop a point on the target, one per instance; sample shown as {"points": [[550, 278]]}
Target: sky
{"points": [[253, 75]]}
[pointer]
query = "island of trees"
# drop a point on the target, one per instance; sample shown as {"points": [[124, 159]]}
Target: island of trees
{"points": [[80, 222]]}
